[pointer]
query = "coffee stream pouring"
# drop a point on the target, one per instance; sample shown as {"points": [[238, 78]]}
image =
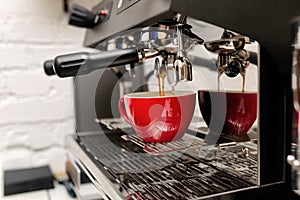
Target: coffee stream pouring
{"points": [[233, 59], [180, 68]]}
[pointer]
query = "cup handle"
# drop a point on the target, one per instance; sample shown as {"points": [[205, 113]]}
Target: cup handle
{"points": [[122, 110]]}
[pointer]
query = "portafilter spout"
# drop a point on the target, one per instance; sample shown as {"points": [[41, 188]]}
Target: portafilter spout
{"points": [[233, 59], [179, 67], [183, 66]]}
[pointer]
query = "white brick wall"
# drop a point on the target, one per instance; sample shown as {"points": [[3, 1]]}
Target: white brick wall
{"points": [[36, 111]]}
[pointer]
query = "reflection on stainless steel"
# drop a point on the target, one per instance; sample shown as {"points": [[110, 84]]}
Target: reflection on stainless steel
{"points": [[157, 74], [187, 141], [245, 151], [226, 45], [182, 64], [169, 176], [233, 59]]}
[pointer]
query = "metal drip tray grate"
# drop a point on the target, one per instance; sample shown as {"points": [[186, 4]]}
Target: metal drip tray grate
{"points": [[177, 174], [121, 160], [187, 141], [234, 161], [181, 181]]}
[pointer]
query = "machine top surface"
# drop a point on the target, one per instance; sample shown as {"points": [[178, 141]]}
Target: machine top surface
{"points": [[266, 21]]}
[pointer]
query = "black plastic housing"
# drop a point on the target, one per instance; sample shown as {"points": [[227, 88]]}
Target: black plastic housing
{"points": [[83, 63]]}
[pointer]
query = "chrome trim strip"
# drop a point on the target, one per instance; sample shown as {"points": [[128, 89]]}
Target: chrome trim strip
{"points": [[105, 187]]}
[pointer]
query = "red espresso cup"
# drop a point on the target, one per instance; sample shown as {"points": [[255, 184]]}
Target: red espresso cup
{"points": [[228, 112], [158, 118]]}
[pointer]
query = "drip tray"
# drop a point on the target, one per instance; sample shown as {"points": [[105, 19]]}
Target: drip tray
{"points": [[181, 181], [178, 175], [187, 141], [203, 131]]}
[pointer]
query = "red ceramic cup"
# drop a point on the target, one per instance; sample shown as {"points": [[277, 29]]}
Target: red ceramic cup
{"points": [[228, 112], [158, 118]]}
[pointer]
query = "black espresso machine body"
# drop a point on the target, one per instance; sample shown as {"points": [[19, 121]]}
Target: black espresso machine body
{"points": [[267, 22]]}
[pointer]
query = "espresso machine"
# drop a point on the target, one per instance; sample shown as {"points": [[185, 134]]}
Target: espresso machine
{"points": [[135, 42]]}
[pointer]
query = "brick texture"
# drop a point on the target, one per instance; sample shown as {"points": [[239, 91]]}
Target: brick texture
{"points": [[36, 110]]}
